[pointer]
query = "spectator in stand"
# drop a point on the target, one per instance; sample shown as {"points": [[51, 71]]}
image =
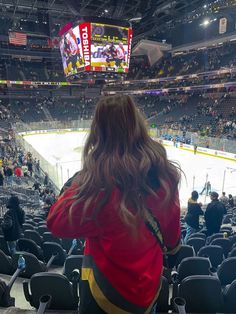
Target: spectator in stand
{"points": [[46, 179], [25, 170], [224, 199], [214, 214], [30, 166], [231, 201], [192, 217], [118, 206], [9, 175], [1, 179], [12, 223]]}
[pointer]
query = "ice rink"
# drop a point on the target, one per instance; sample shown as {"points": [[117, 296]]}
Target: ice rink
{"points": [[63, 150]]}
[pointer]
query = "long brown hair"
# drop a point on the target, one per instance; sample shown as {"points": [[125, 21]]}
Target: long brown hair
{"points": [[120, 153]]}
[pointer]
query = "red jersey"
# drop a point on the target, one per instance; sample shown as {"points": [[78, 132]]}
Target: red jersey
{"points": [[18, 172], [123, 271]]}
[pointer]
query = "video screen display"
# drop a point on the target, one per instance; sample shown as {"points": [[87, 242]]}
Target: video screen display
{"points": [[71, 52], [96, 47], [109, 48]]}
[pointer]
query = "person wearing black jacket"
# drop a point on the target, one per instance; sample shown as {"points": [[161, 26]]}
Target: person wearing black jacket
{"points": [[12, 223], [192, 216], [214, 214]]}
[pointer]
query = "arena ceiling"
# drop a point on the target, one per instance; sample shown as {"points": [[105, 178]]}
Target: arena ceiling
{"points": [[147, 16]]}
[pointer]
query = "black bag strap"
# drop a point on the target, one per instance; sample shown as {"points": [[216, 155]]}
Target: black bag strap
{"points": [[154, 227]]}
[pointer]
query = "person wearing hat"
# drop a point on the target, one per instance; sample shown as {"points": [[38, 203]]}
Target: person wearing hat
{"points": [[214, 214], [12, 223]]}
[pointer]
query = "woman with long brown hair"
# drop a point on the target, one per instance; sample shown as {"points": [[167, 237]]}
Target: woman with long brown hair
{"points": [[125, 203]]}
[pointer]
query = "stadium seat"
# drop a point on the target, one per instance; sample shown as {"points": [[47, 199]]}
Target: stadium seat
{"points": [[185, 251], [31, 222], [215, 236], [193, 266], [38, 219], [215, 254], [27, 226], [30, 246], [33, 235], [41, 229], [196, 243], [63, 292], [3, 245], [202, 294], [54, 249], [227, 219], [48, 237], [72, 262], [67, 244], [227, 271], [5, 264], [230, 298], [198, 235], [224, 243], [33, 265], [232, 253]]}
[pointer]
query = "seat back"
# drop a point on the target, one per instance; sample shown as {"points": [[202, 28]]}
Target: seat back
{"points": [[202, 294], [193, 266], [196, 243], [3, 245], [219, 235], [227, 271], [198, 235], [214, 252], [232, 253], [230, 298], [33, 265], [226, 245], [50, 248], [27, 226], [33, 235], [41, 229], [48, 237], [72, 262], [55, 285], [30, 246], [185, 251], [5, 264]]}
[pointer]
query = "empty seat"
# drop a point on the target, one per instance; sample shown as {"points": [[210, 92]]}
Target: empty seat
{"points": [[39, 219], [33, 235], [193, 266], [230, 298], [77, 250], [5, 264], [50, 249], [214, 252], [232, 253], [27, 226], [3, 246], [30, 246], [215, 236], [57, 286], [48, 237], [198, 235], [202, 294], [224, 243], [196, 243], [227, 219], [41, 229], [227, 271], [72, 262], [33, 265], [184, 251]]}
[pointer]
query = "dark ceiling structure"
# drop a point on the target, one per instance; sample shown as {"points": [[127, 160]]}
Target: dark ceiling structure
{"points": [[147, 16]]}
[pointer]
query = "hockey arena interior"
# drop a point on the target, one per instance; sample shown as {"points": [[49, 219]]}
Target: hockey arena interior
{"points": [[118, 156]]}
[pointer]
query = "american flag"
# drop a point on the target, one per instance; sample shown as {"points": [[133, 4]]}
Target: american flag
{"points": [[17, 38]]}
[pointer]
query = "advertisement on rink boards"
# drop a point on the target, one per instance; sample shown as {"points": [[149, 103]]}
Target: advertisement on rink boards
{"points": [[96, 47]]}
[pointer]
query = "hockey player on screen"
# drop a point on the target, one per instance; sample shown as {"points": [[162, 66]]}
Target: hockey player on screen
{"points": [[75, 59], [109, 52], [120, 55]]}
